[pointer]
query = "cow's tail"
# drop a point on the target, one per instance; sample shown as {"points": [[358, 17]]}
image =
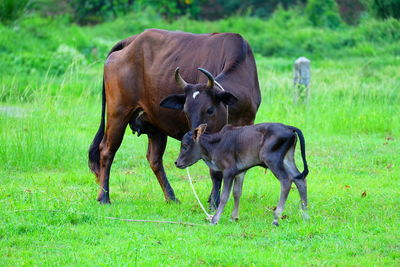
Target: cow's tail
{"points": [[303, 153], [94, 151]]}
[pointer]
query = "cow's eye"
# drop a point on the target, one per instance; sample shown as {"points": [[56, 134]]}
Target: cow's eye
{"points": [[210, 110], [184, 147]]}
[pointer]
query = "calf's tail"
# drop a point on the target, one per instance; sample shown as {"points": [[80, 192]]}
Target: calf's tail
{"points": [[303, 153], [94, 151]]}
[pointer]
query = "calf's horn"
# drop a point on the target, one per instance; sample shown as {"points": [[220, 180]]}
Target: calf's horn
{"points": [[210, 83], [179, 80]]}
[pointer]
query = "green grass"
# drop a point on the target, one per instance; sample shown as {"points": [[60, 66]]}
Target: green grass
{"points": [[351, 126], [50, 110]]}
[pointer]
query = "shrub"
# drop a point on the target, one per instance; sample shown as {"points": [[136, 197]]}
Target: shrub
{"points": [[11, 10], [384, 8], [323, 13]]}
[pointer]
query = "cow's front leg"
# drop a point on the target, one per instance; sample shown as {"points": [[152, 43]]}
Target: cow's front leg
{"points": [[237, 193], [155, 152], [216, 178], [228, 181]]}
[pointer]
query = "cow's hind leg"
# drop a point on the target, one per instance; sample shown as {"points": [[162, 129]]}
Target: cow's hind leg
{"points": [[237, 193], [155, 151], [115, 129]]}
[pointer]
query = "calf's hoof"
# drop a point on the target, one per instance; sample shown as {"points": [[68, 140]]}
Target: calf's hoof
{"points": [[214, 220], [234, 219], [275, 223]]}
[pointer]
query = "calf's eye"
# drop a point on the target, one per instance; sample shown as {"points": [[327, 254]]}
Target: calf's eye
{"points": [[210, 110]]}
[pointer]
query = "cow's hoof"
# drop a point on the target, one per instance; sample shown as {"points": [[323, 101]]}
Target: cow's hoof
{"points": [[174, 201], [275, 223], [104, 200], [213, 223]]}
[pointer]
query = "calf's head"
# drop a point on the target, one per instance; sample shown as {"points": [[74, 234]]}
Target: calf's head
{"points": [[190, 148], [202, 103]]}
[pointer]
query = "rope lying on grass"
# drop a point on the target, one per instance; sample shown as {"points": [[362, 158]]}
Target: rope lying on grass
{"points": [[209, 216], [114, 218]]}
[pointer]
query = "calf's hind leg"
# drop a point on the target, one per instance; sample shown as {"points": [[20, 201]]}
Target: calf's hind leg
{"points": [[275, 163], [301, 184]]}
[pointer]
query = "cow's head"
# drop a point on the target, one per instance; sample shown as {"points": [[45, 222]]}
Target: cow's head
{"points": [[202, 103], [190, 148]]}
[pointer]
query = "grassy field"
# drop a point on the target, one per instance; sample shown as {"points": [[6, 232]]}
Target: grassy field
{"points": [[47, 194]]}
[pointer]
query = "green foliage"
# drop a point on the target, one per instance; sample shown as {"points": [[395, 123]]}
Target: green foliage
{"points": [[383, 9], [173, 9], [97, 11], [11, 10], [223, 8], [323, 13], [350, 10]]}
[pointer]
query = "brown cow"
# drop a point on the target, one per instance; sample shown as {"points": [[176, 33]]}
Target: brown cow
{"points": [[139, 75]]}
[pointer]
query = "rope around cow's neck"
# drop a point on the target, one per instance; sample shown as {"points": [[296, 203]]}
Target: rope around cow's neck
{"points": [[209, 216]]}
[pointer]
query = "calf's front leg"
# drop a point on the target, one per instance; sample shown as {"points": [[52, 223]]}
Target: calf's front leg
{"points": [[228, 181]]}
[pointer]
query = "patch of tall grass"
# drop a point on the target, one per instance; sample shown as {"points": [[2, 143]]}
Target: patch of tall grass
{"points": [[54, 129]]}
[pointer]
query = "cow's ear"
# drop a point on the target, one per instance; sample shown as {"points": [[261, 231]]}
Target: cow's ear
{"points": [[199, 131], [173, 101], [226, 98]]}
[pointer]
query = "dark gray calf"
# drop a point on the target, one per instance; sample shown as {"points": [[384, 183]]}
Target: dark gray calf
{"points": [[234, 150]]}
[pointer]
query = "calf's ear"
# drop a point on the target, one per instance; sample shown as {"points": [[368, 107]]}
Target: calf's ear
{"points": [[174, 101], [199, 131], [227, 98]]}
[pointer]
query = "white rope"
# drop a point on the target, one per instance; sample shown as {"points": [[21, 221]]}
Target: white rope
{"points": [[209, 216]]}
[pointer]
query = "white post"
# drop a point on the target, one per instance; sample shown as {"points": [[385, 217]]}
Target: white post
{"points": [[302, 77]]}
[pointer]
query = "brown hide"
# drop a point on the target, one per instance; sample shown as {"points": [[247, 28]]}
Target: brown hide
{"points": [[142, 74], [139, 74]]}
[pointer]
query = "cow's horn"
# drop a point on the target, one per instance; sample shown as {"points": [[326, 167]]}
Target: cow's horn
{"points": [[179, 80], [210, 83]]}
